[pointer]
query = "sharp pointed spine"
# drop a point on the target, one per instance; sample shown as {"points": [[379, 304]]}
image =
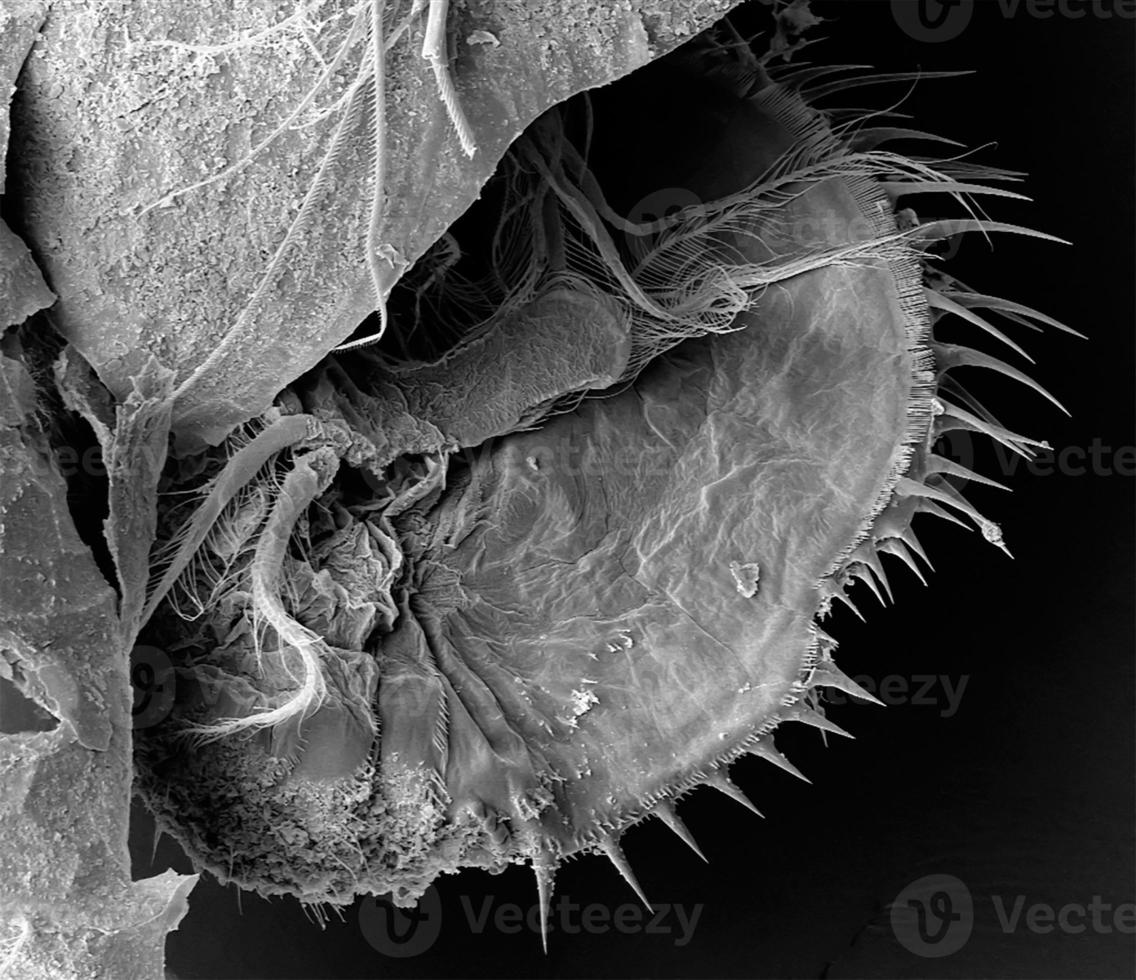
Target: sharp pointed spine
{"points": [[936, 510], [940, 464], [723, 784], [867, 555], [932, 497], [899, 548], [158, 834], [829, 675], [1014, 311], [952, 356], [767, 751], [938, 301], [666, 813], [911, 541], [862, 573], [830, 589], [955, 418], [545, 870], [949, 495], [616, 856], [815, 719], [945, 228]]}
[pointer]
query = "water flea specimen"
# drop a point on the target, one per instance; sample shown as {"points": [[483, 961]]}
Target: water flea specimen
{"points": [[552, 538]]}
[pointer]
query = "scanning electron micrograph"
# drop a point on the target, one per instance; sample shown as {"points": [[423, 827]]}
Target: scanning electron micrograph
{"points": [[444, 441]]}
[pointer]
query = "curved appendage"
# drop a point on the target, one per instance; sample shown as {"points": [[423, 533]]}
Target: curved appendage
{"points": [[574, 649], [239, 470], [567, 340], [309, 476]]}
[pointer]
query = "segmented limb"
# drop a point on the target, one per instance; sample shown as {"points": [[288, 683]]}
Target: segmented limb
{"points": [[310, 476], [378, 194], [244, 465], [434, 51]]}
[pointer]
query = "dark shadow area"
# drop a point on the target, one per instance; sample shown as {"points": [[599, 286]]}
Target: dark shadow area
{"points": [[66, 439], [19, 714]]}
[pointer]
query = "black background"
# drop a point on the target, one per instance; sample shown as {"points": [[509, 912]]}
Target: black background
{"points": [[1028, 788]]}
